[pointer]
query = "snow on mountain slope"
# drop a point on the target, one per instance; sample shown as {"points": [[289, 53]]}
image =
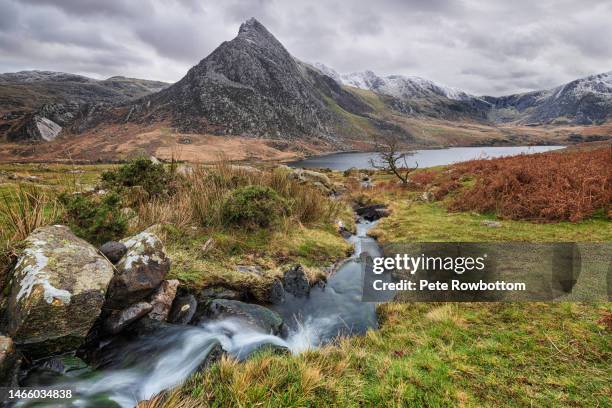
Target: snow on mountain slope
{"points": [[398, 86], [599, 84]]}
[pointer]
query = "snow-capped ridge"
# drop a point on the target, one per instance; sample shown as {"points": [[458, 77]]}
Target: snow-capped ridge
{"points": [[398, 86]]}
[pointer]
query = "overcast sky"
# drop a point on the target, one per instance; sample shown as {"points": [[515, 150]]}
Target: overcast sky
{"points": [[482, 46]]}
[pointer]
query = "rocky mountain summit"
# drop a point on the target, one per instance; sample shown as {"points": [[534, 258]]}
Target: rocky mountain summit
{"points": [[250, 85]]}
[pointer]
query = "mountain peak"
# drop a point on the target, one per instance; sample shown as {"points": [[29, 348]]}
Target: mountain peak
{"points": [[253, 30]]}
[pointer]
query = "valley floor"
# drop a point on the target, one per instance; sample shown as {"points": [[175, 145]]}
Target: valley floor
{"points": [[122, 142], [424, 354]]}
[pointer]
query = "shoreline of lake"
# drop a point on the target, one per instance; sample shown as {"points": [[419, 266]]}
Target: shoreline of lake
{"points": [[423, 157]]}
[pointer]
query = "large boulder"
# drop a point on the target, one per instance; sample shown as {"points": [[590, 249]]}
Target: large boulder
{"points": [[296, 281], [313, 177], [162, 300], [141, 270], [58, 289], [257, 316]]}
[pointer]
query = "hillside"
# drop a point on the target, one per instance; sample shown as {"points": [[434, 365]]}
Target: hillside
{"points": [[585, 101], [32, 101]]}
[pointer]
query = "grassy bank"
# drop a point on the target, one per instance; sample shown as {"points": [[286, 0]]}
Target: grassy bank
{"points": [[430, 355]]}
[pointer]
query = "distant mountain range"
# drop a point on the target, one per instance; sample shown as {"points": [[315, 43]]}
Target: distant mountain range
{"points": [[585, 101], [252, 86]]}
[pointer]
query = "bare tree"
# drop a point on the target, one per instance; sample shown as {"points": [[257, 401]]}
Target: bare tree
{"points": [[391, 158]]}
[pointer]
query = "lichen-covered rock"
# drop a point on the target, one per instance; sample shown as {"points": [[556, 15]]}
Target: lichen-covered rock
{"points": [[183, 309], [310, 176], [58, 289], [162, 300], [113, 251], [9, 362], [119, 320], [139, 272], [255, 315]]}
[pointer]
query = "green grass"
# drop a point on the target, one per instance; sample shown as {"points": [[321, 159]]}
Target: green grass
{"points": [[424, 354], [431, 355], [414, 221], [313, 244], [272, 251]]}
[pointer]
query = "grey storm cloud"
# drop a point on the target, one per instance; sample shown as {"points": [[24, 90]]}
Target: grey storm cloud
{"points": [[482, 46]]}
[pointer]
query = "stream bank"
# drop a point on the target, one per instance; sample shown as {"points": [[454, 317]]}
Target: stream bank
{"points": [[151, 356]]}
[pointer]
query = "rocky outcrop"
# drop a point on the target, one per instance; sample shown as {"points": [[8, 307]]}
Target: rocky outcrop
{"points": [[310, 176], [162, 299], [296, 281], [35, 128], [58, 289], [139, 272], [276, 293], [113, 251], [183, 309], [119, 320], [255, 315]]}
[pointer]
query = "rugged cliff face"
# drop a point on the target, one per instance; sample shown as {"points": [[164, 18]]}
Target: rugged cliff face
{"points": [[36, 105]]}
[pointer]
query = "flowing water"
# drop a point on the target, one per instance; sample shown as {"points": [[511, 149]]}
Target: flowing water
{"points": [[141, 368], [424, 158]]}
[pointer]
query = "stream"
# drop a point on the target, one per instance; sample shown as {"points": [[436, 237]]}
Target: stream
{"points": [[138, 369]]}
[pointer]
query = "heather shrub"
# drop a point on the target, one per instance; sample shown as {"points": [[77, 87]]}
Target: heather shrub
{"points": [[153, 178], [95, 219], [253, 206]]}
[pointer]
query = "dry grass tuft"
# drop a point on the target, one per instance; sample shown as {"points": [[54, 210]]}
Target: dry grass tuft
{"points": [[201, 195], [448, 313], [25, 209]]}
